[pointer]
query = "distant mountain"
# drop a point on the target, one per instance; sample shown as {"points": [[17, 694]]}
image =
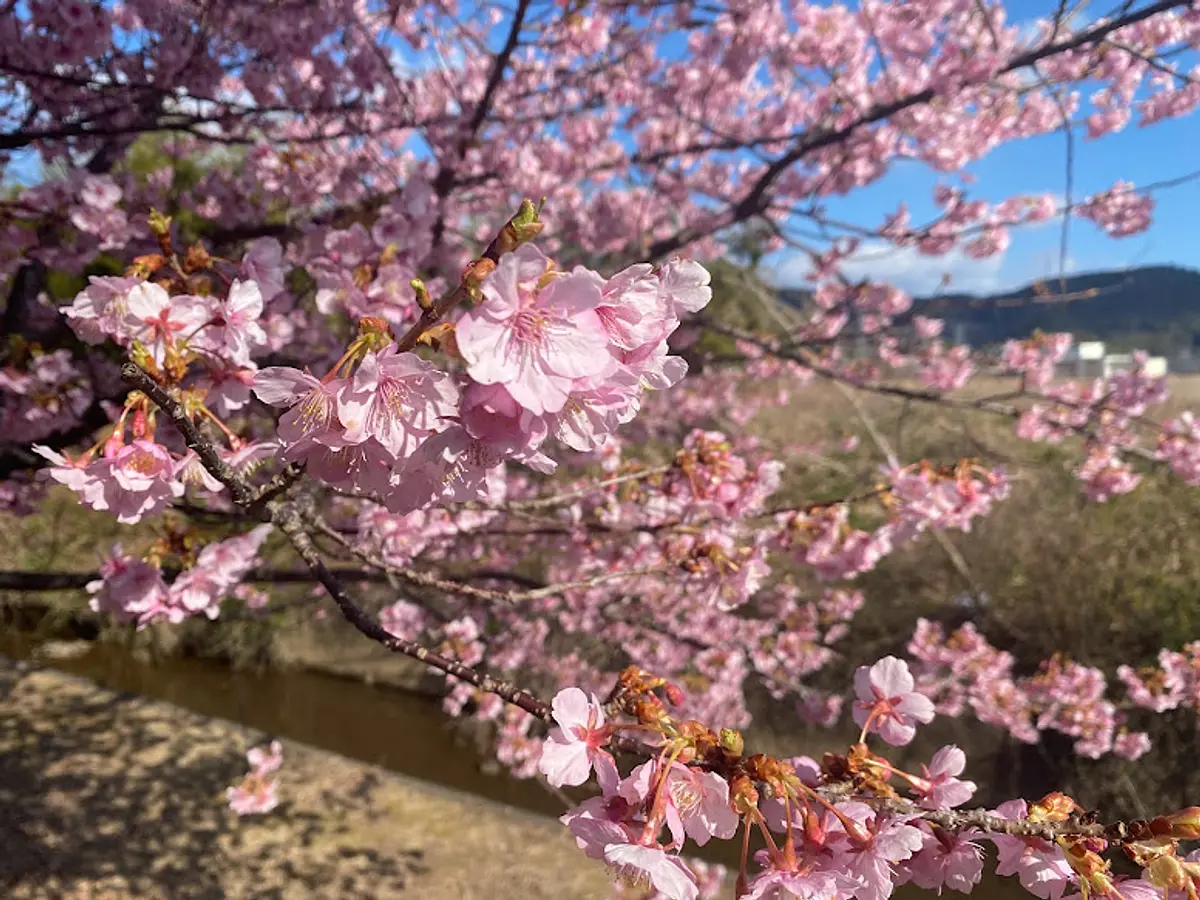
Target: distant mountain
{"points": [[1155, 308]]}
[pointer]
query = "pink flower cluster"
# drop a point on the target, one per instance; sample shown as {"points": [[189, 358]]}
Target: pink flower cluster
{"points": [[1034, 360], [46, 393], [1174, 682], [546, 353], [1105, 410], [133, 590], [224, 326], [807, 632], [258, 792], [963, 671], [131, 480], [923, 499], [1179, 447], [1120, 211], [822, 851]]}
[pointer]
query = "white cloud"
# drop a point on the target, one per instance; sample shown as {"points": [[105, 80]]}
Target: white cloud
{"points": [[904, 267]]}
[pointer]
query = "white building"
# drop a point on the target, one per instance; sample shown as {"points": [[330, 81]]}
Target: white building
{"points": [[1091, 359]]}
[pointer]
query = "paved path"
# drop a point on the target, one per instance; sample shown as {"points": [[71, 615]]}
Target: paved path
{"points": [[112, 797]]}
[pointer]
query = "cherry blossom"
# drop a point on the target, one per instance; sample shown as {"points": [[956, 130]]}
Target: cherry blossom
{"points": [[540, 436], [887, 702], [940, 788], [574, 749], [537, 341], [668, 874], [161, 321]]}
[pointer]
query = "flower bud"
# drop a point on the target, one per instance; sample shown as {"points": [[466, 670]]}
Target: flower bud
{"points": [[138, 424], [473, 276], [441, 338], [160, 225], [374, 332], [521, 228], [1054, 807], [731, 741], [814, 831], [145, 266], [196, 258], [743, 795], [649, 710], [423, 299], [1185, 824]]}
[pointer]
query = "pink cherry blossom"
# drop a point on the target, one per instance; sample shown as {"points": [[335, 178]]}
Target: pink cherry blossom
{"points": [[684, 286], [266, 761], [83, 477], [312, 414], [1040, 865], [536, 341], [127, 588], [263, 265], [887, 703], [697, 802], [257, 793], [574, 748], [161, 321], [631, 309], [398, 399], [253, 796], [140, 481], [233, 330], [779, 881], [947, 860], [890, 840], [598, 823], [99, 311], [219, 568], [940, 788], [668, 874]]}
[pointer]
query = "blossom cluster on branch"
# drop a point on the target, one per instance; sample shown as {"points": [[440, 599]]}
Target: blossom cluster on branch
{"points": [[259, 293], [852, 825]]}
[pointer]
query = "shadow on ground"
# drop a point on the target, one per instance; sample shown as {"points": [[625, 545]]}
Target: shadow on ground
{"points": [[106, 789]]}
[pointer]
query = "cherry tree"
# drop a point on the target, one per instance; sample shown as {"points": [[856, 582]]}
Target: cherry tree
{"points": [[405, 287]]}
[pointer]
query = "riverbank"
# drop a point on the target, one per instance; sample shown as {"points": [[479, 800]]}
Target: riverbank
{"points": [[111, 796]]}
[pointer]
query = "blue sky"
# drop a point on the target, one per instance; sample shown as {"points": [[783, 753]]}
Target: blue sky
{"points": [[1038, 165], [1155, 153]]}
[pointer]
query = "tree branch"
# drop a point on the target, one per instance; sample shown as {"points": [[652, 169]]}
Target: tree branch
{"points": [[754, 202]]}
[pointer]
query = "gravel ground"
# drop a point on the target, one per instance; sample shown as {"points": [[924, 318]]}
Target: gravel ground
{"points": [[111, 796]]}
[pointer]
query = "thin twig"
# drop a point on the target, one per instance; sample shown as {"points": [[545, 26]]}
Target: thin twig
{"points": [[427, 579], [586, 491]]}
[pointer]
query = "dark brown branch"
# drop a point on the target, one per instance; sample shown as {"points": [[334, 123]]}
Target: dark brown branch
{"points": [[239, 488], [32, 582], [447, 176], [435, 311], [287, 519]]}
